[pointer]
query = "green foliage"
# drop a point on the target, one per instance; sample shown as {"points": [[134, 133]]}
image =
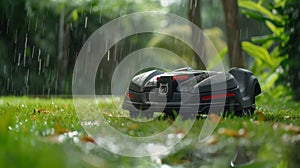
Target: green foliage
{"points": [[257, 11], [270, 51]]}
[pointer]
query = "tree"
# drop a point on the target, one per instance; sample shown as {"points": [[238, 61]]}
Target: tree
{"points": [[194, 12], [233, 33], [194, 15]]}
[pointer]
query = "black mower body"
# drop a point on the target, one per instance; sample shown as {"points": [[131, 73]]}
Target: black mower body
{"points": [[190, 89]]}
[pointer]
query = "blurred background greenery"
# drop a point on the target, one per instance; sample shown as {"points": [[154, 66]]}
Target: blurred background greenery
{"points": [[40, 40]]}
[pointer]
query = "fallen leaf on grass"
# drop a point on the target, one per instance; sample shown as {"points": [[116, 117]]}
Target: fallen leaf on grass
{"points": [[87, 139], [180, 131], [132, 126], [34, 117], [60, 130], [170, 121], [53, 138], [233, 133], [260, 116], [41, 110], [214, 117], [211, 140], [290, 128], [255, 122]]}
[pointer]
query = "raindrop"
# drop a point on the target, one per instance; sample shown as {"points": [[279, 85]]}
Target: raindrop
{"points": [[7, 26], [26, 78], [108, 55], [16, 36], [191, 6], [165, 166], [100, 17], [48, 60], [180, 135], [72, 134], [4, 69], [39, 55], [91, 9], [89, 47], [171, 136], [36, 23], [183, 4], [15, 53], [61, 138], [75, 139], [19, 59], [33, 48], [85, 22], [40, 66], [25, 48]]}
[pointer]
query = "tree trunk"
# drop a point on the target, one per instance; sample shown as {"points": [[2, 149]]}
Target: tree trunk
{"points": [[63, 54], [194, 14], [233, 33]]}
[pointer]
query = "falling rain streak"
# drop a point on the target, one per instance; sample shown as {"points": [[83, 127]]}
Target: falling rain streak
{"points": [[32, 37], [19, 59], [16, 37], [108, 55], [32, 53], [40, 62], [85, 22], [25, 48], [27, 78]]}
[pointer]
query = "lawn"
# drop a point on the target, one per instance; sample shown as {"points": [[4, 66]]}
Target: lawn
{"points": [[40, 132]]}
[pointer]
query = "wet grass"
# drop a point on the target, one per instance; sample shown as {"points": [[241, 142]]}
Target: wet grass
{"points": [[47, 133]]}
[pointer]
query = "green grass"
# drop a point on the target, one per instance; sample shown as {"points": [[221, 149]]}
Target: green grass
{"points": [[47, 133]]}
